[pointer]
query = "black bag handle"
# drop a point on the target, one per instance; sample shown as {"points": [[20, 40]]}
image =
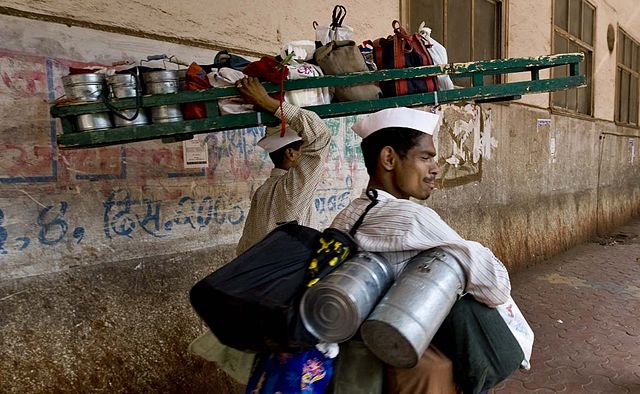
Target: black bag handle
{"points": [[339, 12], [373, 196], [115, 111]]}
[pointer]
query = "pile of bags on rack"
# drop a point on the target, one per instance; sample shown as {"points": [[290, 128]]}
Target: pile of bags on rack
{"points": [[333, 53]]}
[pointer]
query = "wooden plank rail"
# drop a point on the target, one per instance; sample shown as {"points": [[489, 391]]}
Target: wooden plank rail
{"points": [[215, 122]]}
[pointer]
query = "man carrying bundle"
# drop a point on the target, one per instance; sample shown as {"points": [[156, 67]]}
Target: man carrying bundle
{"points": [[399, 155]]}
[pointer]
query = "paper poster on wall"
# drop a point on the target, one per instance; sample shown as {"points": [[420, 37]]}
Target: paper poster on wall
{"points": [[544, 126], [195, 152], [632, 150]]}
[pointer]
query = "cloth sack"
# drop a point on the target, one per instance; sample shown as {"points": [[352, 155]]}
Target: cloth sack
{"points": [[228, 77], [403, 50], [335, 31], [366, 49], [482, 350], [306, 97], [303, 50], [267, 69], [342, 57], [438, 55], [225, 59]]}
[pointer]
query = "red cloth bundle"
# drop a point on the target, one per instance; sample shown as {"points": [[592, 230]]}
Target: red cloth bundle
{"points": [[270, 70], [196, 79]]}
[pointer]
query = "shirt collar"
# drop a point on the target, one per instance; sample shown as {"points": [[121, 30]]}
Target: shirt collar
{"points": [[278, 172], [382, 195]]}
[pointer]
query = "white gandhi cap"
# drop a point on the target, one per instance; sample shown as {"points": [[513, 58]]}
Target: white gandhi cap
{"points": [[396, 117], [272, 141]]}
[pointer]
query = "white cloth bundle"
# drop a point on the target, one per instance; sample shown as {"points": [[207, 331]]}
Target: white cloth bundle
{"points": [[438, 55], [228, 77], [303, 49], [306, 97]]}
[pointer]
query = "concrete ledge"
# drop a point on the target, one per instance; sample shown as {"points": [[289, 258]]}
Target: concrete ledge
{"points": [[121, 327]]}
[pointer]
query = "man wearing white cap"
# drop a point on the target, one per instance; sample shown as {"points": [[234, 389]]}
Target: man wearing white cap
{"points": [[399, 154], [298, 157]]}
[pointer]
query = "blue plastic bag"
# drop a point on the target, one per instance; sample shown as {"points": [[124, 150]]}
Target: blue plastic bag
{"points": [[290, 373]]}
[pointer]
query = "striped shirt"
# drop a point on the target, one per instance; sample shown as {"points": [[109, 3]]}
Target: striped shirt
{"points": [[287, 195], [399, 229]]}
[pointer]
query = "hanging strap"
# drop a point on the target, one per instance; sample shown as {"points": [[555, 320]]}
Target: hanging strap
{"points": [[373, 196], [339, 12]]}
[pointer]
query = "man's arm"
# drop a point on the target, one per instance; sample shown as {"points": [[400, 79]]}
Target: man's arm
{"points": [[402, 225], [487, 278], [301, 181]]}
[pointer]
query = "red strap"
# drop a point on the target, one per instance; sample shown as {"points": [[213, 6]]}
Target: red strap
{"points": [[402, 85], [399, 30], [431, 81], [282, 122], [377, 53]]}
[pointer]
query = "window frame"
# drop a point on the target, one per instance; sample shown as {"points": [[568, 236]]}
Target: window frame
{"points": [[636, 73], [501, 45], [555, 29]]}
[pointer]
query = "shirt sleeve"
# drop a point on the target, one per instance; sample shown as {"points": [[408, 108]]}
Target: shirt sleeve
{"points": [[300, 183], [487, 278]]}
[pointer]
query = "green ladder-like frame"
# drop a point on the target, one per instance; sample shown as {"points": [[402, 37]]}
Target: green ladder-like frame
{"points": [[177, 131]]}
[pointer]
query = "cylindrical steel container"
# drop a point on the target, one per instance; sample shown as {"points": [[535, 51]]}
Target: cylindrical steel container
{"points": [[182, 79], [166, 114], [333, 309], [83, 87], [122, 85], [129, 113], [161, 82], [403, 324], [93, 122]]}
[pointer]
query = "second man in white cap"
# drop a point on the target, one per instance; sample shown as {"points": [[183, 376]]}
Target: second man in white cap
{"points": [[298, 158]]}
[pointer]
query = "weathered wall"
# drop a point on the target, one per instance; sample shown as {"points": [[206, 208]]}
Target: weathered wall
{"points": [[99, 247], [548, 183], [253, 27]]}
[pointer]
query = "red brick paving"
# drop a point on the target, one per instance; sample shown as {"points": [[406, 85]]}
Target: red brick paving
{"points": [[584, 307]]}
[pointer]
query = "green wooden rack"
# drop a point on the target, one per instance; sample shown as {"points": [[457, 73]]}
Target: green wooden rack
{"points": [[177, 131]]}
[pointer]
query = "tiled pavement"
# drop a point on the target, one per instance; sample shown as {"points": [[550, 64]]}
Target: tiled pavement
{"points": [[584, 307]]}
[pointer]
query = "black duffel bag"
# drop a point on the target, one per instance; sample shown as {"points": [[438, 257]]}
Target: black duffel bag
{"points": [[252, 303]]}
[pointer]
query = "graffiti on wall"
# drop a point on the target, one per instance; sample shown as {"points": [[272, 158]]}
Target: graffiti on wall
{"points": [[122, 216], [125, 216], [50, 227]]}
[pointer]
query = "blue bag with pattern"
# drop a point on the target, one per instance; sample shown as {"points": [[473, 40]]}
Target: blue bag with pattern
{"points": [[288, 373]]}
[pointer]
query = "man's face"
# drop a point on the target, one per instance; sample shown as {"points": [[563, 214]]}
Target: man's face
{"points": [[415, 174]]}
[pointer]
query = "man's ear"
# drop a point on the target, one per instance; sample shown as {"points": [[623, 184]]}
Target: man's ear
{"points": [[289, 153], [388, 158]]}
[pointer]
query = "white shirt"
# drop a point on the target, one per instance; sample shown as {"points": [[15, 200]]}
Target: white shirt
{"points": [[288, 195], [399, 229]]}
